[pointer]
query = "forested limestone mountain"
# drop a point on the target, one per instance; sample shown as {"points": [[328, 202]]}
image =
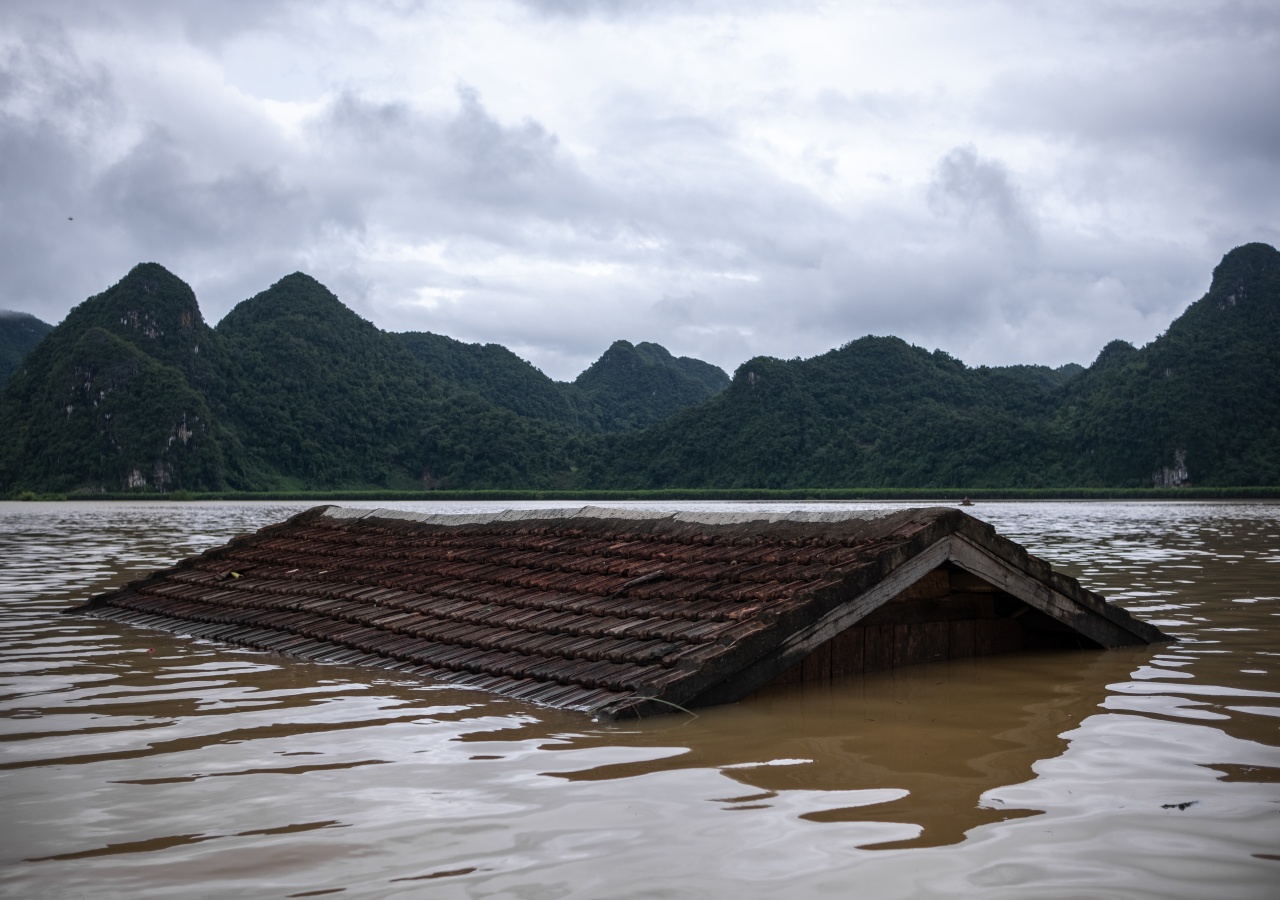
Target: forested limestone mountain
{"points": [[876, 412], [19, 334], [317, 394], [497, 375], [1200, 404], [115, 396], [637, 386], [323, 398], [628, 387], [293, 390]]}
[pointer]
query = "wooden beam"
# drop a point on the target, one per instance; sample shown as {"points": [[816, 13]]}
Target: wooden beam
{"points": [[846, 614], [974, 559], [992, 636], [796, 647]]}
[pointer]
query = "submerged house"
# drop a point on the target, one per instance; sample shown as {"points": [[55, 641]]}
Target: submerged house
{"points": [[624, 612]]}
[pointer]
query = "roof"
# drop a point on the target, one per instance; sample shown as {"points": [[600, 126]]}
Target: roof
{"points": [[612, 611]]}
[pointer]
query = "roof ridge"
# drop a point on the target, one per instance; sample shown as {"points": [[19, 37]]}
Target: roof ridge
{"points": [[639, 514]]}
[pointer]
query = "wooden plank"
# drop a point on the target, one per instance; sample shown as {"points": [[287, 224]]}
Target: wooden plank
{"points": [[879, 648], [974, 559], [960, 639], [904, 648], [935, 585], [934, 641], [848, 652], [817, 665], [846, 614], [793, 675], [902, 612], [994, 636], [919, 642]]}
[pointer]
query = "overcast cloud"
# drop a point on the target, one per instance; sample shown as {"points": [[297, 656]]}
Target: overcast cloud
{"points": [[1010, 182]]}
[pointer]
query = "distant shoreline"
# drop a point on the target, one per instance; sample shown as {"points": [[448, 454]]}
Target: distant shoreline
{"points": [[942, 495]]}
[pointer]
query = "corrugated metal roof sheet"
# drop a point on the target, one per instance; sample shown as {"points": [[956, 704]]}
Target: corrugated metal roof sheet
{"points": [[609, 611]]}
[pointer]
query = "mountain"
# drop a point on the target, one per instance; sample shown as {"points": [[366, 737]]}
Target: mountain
{"points": [[628, 387], [637, 386], [291, 390], [133, 391], [1200, 404], [113, 397], [19, 334], [499, 376], [318, 395], [875, 412]]}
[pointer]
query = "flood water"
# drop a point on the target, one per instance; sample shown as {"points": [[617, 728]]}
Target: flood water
{"points": [[140, 764]]}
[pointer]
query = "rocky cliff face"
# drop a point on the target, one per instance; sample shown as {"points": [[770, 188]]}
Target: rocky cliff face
{"points": [[1175, 475], [114, 397]]}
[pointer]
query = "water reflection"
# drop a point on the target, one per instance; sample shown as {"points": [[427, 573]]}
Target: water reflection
{"points": [[920, 746], [139, 763]]}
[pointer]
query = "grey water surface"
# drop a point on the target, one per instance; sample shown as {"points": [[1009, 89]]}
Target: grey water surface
{"points": [[141, 764]]}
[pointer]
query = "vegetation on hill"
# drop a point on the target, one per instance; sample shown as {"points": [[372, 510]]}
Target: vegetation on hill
{"points": [[494, 373], [636, 386], [1200, 404], [19, 334], [628, 387], [114, 397], [318, 395], [875, 413], [293, 391]]}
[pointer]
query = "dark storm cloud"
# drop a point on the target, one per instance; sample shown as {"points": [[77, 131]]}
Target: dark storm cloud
{"points": [[51, 106], [461, 175], [970, 186], [73, 223], [493, 172]]}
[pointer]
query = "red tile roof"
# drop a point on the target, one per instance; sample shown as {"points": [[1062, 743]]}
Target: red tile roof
{"points": [[616, 612]]}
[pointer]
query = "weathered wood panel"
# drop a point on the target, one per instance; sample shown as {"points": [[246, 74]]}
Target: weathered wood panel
{"points": [[993, 636], [879, 646], [817, 665], [960, 639], [848, 652]]}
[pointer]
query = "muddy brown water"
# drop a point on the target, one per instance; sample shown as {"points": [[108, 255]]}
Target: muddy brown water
{"points": [[141, 764]]}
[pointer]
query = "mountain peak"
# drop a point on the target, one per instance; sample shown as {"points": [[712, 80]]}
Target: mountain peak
{"points": [[301, 280], [1245, 272], [296, 297], [151, 308], [643, 383], [151, 301]]}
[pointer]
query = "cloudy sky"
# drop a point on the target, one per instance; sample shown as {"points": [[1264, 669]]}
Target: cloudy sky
{"points": [[1008, 181]]}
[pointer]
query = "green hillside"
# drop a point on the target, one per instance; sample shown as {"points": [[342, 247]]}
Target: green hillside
{"points": [[874, 413], [1204, 396], [499, 376], [628, 387], [293, 391], [637, 386], [1200, 404], [19, 334], [318, 395], [113, 398]]}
